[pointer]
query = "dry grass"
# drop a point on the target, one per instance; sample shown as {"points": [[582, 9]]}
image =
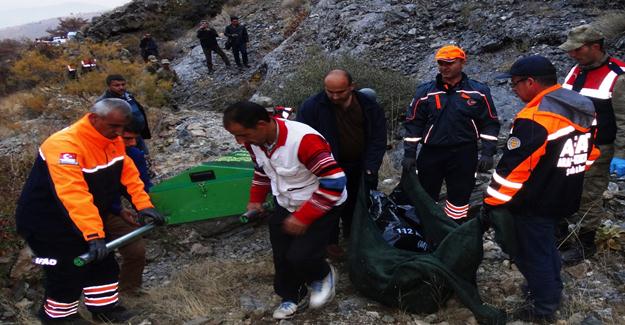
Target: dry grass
{"points": [[210, 287]]}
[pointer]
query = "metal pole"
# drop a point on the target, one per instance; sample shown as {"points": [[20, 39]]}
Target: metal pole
{"points": [[114, 244]]}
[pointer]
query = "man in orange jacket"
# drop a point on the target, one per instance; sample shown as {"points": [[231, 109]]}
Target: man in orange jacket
{"points": [[77, 175], [540, 175]]}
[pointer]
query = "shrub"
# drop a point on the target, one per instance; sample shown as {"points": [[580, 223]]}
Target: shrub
{"points": [[394, 90], [34, 68], [13, 172]]}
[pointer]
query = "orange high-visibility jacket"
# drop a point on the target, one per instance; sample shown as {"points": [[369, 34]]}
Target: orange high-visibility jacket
{"points": [[549, 148], [76, 176]]}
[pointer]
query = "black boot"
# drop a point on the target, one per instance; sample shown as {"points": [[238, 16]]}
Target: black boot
{"points": [[118, 314], [582, 249]]}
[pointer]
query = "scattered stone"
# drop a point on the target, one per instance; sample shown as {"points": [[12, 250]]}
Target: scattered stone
{"points": [[388, 319], [198, 321], [200, 250], [24, 268], [431, 318], [578, 271], [591, 320]]}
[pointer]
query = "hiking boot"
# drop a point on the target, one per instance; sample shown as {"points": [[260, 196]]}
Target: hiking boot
{"points": [[579, 251], [527, 314], [118, 314], [322, 291], [288, 309], [247, 65]]}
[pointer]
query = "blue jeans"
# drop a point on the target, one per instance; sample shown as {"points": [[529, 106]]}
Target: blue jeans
{"points": [[538, 260]]}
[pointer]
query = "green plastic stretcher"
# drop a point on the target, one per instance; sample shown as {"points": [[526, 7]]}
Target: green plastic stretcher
{"points": [[214, 189]]}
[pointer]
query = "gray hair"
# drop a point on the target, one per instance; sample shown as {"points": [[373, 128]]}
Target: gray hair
{"points": [[107, 105]]}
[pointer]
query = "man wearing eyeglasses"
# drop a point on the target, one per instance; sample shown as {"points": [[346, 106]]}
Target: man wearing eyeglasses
{"points": [[540, 176], [601, 78], [447, 116]]}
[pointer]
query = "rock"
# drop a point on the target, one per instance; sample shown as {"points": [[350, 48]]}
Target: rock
{"points": [[576, 319], [251, 304], [24, 268], [24, 303], [577, 271], [431, 318], [286, 322], [373, 314], [388, 319], [591, 320], [200, 250], [199, 321]]}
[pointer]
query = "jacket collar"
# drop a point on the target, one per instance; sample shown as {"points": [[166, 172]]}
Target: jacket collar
{"points": [[534, 102], [282, 133], [441, 85], [91, 135]]}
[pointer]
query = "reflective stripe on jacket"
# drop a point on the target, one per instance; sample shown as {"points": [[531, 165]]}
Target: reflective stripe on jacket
{"points": [[441, 116], [548, 150], [597, 85], [73, 183]]}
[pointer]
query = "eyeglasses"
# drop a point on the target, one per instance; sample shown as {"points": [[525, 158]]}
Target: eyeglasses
{"points": [[513, 84]]}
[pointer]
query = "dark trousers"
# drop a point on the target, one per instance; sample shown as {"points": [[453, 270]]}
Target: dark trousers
{"points": [[299, 260], [353, 172], [133, 253], [64, 282], [242, 50], [209, 56], [539, 261], [456, 166]]}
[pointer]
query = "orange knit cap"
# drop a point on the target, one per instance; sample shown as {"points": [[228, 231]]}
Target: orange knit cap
{"points": [[449, 53]]}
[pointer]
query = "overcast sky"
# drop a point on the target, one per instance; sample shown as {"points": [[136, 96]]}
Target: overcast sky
{"points": [[18, 12], [12, 4]]}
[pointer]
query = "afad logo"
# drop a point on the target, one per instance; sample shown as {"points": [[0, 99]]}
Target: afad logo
{"points": [[574, 154], [44, 261]]}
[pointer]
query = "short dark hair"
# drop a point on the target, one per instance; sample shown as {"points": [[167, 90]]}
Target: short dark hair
{"points": [[114, 77], [234, 18], [547, 80], [246, 113], [134, 126]]}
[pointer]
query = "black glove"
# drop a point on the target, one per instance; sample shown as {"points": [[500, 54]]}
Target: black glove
{"points": [[409, 163], [371, 180], [485, 164], [97, 249], [150, 215]]}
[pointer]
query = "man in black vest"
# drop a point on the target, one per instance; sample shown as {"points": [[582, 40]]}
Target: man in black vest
{"points": [[601, 78]]}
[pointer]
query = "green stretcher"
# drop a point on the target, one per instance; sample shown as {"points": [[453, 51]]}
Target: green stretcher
{"points": [[214, 189]]}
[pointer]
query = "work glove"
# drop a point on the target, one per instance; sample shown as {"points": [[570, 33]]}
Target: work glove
{"points": [[371, 180], [150, 215], [485, 163], [617, 166], [409, 163], [97, 249]]}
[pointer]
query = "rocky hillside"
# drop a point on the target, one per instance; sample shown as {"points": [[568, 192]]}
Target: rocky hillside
{"points": [[198, 277]]}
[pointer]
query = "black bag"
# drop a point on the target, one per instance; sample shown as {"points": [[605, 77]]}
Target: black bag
{"points": [[399, 223], [228, 45], [419, 282]]}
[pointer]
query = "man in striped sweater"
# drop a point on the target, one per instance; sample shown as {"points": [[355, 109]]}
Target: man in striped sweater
{"points": [[295, 163]]}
